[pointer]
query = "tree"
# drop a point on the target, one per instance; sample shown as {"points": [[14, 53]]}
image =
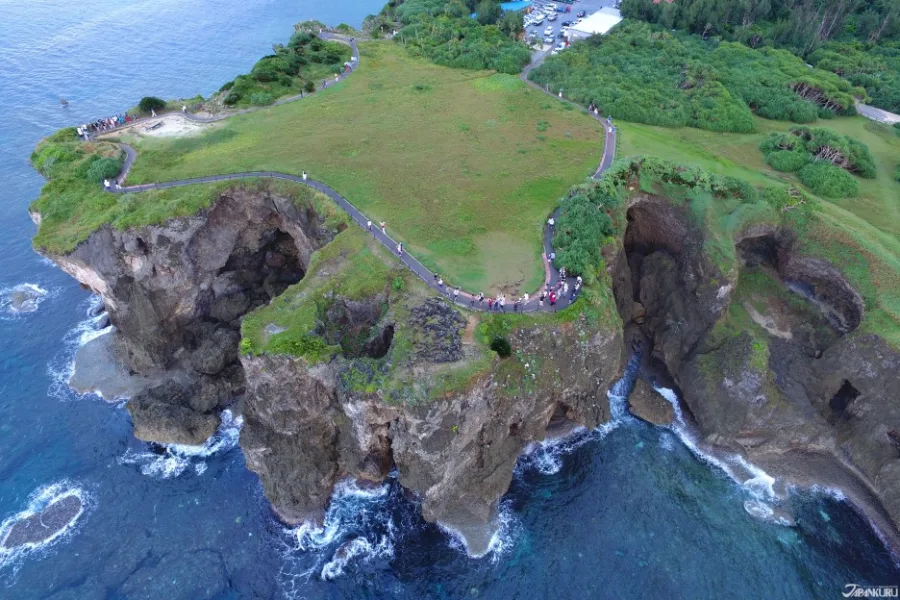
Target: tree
{"points": [[151, 103], [488, 12], [512, 23]]}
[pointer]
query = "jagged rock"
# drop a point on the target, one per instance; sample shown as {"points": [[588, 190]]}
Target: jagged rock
{"points": [[162, 414], [438, 325], [646, 403], [216, 351]]}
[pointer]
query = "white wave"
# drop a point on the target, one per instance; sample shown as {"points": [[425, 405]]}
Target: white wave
{"points": [[754, 480], [358, 548], [11, 558], [347, 500], [175, 459], [30, 296], [62, 367]]}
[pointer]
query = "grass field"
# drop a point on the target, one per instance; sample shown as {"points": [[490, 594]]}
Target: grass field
{"points": [[463, 166]]}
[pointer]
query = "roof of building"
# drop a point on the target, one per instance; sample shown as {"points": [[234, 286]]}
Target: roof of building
{"points": [[600, 22]]}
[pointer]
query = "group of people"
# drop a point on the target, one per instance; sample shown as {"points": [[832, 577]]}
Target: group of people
{"points": [[101, 125], [550, 293], [594, 109]]}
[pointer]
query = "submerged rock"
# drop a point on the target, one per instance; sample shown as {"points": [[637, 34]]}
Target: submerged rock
{"points": [[162, 414], [24, 298], [45, 524]]}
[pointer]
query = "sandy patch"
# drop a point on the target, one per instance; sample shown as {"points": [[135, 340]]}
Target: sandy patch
{"points": [[768, 323], [173, 125]]}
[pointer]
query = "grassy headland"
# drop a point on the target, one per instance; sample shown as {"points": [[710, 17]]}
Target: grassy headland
{"points": [[464, 166]]}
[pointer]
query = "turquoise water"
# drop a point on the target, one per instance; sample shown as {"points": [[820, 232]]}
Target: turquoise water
{"points": [[626, 513]]}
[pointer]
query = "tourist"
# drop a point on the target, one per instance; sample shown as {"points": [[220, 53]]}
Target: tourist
{"points": [[553, 300], [106, 184], [562, 272], [565, 287], [324, 83], [578, 281], [552, 257], [369, 229], [480, 297], [456, 294], [551, 223], [304, 175], [383, 225], [153, 113], [400, 249], [541, 299], [184, 109], [516, 305], [441, 283], [502, 303], [490, 304]]}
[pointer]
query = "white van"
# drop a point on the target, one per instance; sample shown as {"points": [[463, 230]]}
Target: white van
{"points": [[549, 30]]}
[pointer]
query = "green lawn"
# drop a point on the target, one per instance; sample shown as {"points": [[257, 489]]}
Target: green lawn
{"points": [[463, 166]]}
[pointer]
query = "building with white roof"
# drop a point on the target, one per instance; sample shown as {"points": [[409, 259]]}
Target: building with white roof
{"points": [[598, 23]]}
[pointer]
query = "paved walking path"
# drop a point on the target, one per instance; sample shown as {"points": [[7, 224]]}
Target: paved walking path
{"points": [[877, 114], [464, 299]]}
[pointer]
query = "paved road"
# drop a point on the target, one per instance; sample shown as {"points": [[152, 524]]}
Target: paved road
{"points": [[464, 299], [877, 114]]}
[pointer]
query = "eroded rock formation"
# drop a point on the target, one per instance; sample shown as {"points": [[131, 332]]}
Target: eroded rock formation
{"points": [[176, 292]]}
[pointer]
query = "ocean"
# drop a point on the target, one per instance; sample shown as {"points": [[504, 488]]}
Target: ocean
{"points": [[627, 511]]}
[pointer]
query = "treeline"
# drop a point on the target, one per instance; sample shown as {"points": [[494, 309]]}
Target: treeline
{"points": [[803, 25], [445, 33], [648, 75], [296, 66], [856, 39]]}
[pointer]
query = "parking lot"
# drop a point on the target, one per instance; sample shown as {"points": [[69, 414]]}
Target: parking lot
{"points": [[539, 30]]}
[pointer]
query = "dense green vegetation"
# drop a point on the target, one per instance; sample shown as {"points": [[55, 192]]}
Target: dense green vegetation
{"points": [[823, 159], [857, 39], [802, 25], [644, 74], [443, 32], [151, 103], [873, 66], [297, 66]]}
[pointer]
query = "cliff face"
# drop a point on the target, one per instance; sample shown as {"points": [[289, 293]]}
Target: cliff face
{"points": [[176, 293], [305, 428], [767, 356]]}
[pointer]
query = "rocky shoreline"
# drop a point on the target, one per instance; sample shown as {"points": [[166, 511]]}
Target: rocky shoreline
{"points": [[816, 411]]}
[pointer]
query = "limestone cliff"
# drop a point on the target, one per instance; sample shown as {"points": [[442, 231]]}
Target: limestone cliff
{"points": [[176, 292], [766, 352]]}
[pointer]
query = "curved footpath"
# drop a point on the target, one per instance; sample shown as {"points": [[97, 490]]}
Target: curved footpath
{"points": [[465, 299]]}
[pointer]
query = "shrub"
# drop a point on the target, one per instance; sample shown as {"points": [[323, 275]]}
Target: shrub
{"points": [[104, 168], [261, 98], [232, 98], [897, 173], [787, 161], [309, 87], [829, 181], [151, 103], [581, 230], [501, 346], [227, 86]]}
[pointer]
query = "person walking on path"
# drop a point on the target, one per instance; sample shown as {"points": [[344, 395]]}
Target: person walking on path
{"points": [[516, 305], [304, 175], [553, 300], [184, 109], [502, 303], [400, 249], [550, 224], [369, 229], [441, 283], [490, 304], [383, 225], [480, 297], [541, 299], [525, 298], [153, 113], [456, 295]]}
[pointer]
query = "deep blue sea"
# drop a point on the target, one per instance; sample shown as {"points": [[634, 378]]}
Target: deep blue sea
{"points": [[628, 512]]}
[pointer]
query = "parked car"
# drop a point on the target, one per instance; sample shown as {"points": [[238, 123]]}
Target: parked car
{"points": [[549, 30], [539, 20], [567, 23], [581, 14], [551, 17], [549, 40]]}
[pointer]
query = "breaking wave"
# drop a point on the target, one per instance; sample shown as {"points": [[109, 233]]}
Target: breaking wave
{"points": [[22, 299], [171, 460], [62, 367], [11, 559]]}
